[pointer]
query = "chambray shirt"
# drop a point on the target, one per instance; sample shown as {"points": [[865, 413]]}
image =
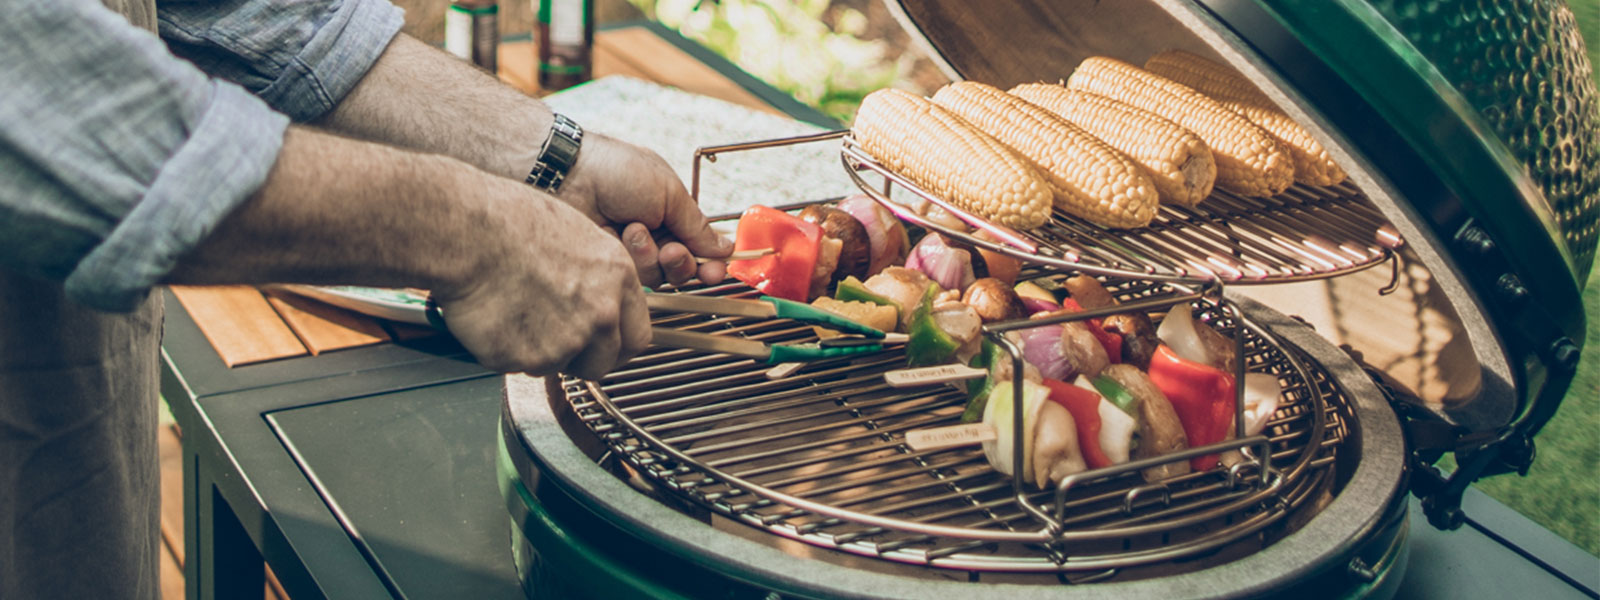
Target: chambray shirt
{"points": [[121, 150]]}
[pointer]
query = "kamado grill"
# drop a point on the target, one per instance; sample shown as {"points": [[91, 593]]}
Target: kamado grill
{"points": [[1468, 132]]}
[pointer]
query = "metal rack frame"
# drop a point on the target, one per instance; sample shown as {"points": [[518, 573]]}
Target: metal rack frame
{"points": [[1306, 233], [676, 390]]}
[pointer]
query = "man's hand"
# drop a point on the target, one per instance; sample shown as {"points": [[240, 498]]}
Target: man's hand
{"points": [[632, 190], [553, 293]]}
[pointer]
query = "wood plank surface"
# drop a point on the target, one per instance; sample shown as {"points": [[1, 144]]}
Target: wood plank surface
{"points": [[322, 327], [609, 60], [274, 589], [171, 465], [171, 452], [171, 578], [517, 62], [639, 53], [239, 323], [662, 62]]}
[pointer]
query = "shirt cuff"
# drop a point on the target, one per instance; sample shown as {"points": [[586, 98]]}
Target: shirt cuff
{"points": [[335, 59], [224, 161]]}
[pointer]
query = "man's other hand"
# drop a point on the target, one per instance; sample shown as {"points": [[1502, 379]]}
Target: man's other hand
{"points": [[633, 191]]}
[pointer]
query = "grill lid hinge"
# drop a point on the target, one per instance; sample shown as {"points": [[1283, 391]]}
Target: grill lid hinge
{"points": [[1428, 437]]}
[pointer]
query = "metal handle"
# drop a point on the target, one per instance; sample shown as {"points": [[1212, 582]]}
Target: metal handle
{"points": [[710, 152]]}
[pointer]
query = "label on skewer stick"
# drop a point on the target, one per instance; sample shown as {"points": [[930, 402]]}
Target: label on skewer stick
{"points": [[945, 437], [784, 370], [931, 375]]}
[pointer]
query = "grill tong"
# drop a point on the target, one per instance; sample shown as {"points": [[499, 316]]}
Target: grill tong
{"points": [[862, 339]]}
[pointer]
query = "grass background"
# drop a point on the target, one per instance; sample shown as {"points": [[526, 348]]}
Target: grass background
{"points": [[1562, 490]]}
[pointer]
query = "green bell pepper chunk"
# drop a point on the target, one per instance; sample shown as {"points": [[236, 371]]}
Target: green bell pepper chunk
{"points": [[1030, 289], [978, 389], [928, 345], [853, 290], [1118, 395], [1120, 398]]}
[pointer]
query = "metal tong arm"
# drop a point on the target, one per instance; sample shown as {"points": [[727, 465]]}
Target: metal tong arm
{"points": [[762, 308], [870, 339]]}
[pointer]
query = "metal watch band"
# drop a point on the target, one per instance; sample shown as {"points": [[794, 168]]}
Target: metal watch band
{"points": [[559, 153]]}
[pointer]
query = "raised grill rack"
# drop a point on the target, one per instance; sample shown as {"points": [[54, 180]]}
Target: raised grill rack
{"points": [[1302, 234], [820, 457]]}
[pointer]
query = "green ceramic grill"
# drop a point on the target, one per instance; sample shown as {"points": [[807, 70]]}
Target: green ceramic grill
{"points": [[1469, 129]]}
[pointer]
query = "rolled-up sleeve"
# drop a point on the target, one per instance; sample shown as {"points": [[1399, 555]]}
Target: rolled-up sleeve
{"points": [[116, 158], [300, 56]]}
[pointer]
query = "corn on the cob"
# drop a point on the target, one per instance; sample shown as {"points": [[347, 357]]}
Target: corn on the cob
{"points": [[1176, 160], [1312, 165], [952, 159], [1090, 179], [1248, 161]]}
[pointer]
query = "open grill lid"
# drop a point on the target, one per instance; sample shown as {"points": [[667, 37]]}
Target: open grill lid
{"points": [[1475, 128]]}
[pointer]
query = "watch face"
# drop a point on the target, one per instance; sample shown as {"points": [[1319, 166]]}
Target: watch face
{"points": [[559, 154]]}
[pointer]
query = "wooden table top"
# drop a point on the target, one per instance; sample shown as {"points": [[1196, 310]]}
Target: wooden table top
{"points": [[247, 325]]}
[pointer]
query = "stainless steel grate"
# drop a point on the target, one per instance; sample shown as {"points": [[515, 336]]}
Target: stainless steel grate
{"points": [[819, 457], [1302, 234]]}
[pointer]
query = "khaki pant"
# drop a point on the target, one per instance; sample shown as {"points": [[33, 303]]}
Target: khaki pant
{"points": [[79, 482]]}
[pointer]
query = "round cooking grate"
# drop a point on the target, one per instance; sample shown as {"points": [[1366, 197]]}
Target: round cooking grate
{"points": [[820, 456]]}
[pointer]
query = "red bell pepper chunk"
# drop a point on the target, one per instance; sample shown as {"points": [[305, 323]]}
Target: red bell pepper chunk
{"points": [[1085, 408], [1112, 342], [786, 273], [1202, 395]]}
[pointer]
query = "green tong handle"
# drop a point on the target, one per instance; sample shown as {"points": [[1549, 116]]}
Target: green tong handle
{"points": [[789, 309], [782, 353]]}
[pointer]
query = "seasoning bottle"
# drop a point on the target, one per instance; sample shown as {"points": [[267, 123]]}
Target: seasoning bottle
{"points": [[566, 43], [472, 31]]}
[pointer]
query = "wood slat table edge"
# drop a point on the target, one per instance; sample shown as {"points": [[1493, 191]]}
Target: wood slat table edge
{"points": [[239, 323], [322, 327]]}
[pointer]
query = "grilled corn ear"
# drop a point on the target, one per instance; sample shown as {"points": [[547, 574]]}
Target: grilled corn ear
{"points": [[1312, 165], [951, 158], [1178, 163], [1248, 161], [1090, 179]]}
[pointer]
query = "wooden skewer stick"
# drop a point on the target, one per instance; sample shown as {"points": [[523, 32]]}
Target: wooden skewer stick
{"points": [[739, 255]]}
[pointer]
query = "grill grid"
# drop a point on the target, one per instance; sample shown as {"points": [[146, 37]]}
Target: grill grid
{"points": [[819, 457], [1305, 233]]}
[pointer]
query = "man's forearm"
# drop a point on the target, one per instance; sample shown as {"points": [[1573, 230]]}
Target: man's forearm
{"points": [[421, 98], [528, 283], [336, 210]]}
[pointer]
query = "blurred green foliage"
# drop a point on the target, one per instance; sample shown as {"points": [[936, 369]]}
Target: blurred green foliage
{"points": [[787, 44], [1587, 13]]}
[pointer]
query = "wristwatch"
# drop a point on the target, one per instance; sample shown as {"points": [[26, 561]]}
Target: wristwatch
{"points": [[559, 153]]}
